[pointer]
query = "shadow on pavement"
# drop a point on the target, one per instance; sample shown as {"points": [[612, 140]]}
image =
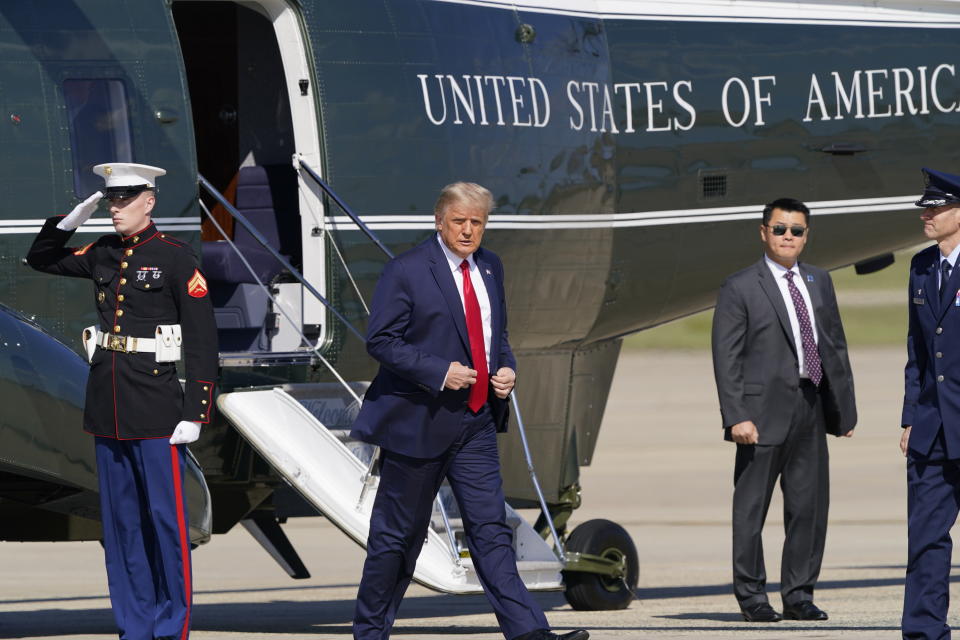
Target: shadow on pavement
{"points": [[314, 617], [332, 618], [203, 592], [663, 593]]}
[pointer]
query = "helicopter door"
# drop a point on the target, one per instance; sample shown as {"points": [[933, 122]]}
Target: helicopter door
{"points": [[246, 70]]}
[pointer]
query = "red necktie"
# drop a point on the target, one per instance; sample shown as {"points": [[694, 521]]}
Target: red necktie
{"points": [[478, 392]]}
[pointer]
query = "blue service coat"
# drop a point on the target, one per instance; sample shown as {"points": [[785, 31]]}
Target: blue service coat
{"points": [[417, 328], [932, 375]]}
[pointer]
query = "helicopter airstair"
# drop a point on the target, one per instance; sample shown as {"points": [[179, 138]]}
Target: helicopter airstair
{"points": [[329, 470]]}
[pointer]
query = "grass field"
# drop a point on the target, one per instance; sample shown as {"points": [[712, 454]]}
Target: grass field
{"points": [[873, 309]]}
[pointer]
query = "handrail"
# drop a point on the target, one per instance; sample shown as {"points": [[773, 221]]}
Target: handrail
{"points": [[533, 478], [343, 205], [313, 347], [367, 479], [239, 217]]}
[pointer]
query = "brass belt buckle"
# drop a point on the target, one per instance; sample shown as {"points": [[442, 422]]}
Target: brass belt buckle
{"points": [[117, 343]]}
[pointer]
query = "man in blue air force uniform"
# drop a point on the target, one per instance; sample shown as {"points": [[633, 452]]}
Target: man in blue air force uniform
{"points": [[150, 295], [931, 411], [436, 307]]}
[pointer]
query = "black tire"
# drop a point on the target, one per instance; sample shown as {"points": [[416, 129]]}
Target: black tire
{"points": [[594, 592]]}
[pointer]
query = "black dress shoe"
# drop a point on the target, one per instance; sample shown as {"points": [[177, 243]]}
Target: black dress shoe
{"points": [[546, 634], [761, 612], [805, 610]]}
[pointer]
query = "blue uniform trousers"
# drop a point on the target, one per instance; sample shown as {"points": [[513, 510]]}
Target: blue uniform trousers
{"points": [[401, 516], [933, 502], [145, 536]]}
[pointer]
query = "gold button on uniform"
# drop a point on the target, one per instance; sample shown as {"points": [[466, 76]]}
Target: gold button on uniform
{"points": [[101, 296], [155, 372], [129, 252], [123, 281], [136, 238], [206, 388], [116, 329], [124, 265], [119, 312], [203, 415], [203, 402], [146, 286], [120, 297]]}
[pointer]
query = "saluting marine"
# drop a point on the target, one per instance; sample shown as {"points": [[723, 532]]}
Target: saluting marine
{"points": [[151, 298]]}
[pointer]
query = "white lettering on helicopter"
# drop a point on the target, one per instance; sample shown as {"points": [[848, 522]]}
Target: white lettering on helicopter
{"points": [[658, 106], [885, 93]]}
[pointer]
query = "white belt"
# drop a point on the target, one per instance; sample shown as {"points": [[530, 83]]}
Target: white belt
{"points": [[126, 344], [166, 346]]}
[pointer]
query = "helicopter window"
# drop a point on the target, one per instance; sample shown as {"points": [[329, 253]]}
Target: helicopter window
{"points": [[99, 128]]}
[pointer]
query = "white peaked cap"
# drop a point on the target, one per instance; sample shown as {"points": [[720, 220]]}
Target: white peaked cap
{"points": [[128, 174]]}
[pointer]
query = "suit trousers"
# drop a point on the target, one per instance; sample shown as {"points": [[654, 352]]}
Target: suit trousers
{"points": [[802, 464], [400, 518], [933, 502], [145, 538]]}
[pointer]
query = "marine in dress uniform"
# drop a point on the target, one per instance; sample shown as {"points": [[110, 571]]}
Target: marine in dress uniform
{"points": [[931, 411], [135, 406], [437, 306]]}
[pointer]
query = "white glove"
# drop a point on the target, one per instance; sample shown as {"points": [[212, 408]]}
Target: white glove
{"points": [[185, 433], [81, 213]]}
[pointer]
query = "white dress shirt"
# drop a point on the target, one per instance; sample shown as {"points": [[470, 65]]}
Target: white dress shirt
{"points": [[952, 259], [479, 288], [779, 275]]}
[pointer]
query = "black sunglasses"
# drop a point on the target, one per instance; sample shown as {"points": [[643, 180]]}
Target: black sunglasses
{"points": [[780, 229]]}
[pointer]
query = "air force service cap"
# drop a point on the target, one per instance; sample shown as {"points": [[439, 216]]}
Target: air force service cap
{"points": [[126, 179], [941, 188]]}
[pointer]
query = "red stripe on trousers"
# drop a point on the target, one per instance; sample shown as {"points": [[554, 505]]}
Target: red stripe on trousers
{"points": [[184, 543]]}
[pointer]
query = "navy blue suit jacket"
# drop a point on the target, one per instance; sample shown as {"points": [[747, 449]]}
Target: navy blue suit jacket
{"points": [[417, 328], [934, 328]]}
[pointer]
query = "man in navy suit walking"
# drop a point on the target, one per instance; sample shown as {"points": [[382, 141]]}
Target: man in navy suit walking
{"points": [[438, 327], [931, 411]]}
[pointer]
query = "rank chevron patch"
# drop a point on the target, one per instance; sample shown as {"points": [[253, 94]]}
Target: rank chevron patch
{"points": [[83, 250], [197, 285]]}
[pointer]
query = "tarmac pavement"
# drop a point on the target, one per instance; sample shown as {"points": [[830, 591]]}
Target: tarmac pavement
{"points": [[661, 470]]}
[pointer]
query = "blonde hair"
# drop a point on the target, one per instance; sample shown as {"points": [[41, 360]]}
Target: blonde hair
{"points": [[469, 193]]}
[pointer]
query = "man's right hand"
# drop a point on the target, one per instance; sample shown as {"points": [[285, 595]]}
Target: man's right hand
{"points": [[905, 439], [459, 376], [81, 213], [745, 433]]}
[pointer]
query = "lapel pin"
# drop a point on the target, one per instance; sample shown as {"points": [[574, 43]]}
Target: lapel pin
{"points": [[809, 278], [488, 272]]}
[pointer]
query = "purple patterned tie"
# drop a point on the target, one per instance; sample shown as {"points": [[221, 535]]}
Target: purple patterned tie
{"points": [[811, 356]]}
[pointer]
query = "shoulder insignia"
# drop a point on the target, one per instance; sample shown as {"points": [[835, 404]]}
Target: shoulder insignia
{"points": [[197, 285], [83, 250], [171, 240]]}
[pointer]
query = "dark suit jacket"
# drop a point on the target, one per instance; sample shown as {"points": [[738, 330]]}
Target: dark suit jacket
{"points": [[934, 328], [417, 328], [755, 359]]}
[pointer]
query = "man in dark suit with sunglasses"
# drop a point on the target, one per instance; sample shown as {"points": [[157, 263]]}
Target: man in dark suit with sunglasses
{"points": [[784, 381]]}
